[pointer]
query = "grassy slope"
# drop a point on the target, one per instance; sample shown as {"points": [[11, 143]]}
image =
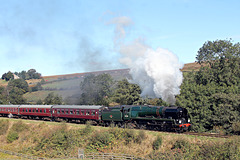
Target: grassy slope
{"points": [[37, 130], [68, 85]]}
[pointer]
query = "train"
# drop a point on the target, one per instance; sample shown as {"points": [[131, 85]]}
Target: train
{"points": [[149, 117]]}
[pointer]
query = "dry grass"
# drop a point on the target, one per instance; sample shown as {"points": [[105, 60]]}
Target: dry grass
{"points": [[43, 129]]}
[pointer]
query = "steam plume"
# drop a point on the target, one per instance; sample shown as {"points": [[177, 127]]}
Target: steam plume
{"points": [[156, 71]]}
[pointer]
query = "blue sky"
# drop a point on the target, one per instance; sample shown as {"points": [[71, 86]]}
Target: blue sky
{"points": [[73, 36]]}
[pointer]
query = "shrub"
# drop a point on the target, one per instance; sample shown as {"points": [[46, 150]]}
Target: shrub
{"points": [[88, 129], [181, 144], [12, 136], [157, 143], [4, 125], [129, 135], [140, 137], [100, 141]]}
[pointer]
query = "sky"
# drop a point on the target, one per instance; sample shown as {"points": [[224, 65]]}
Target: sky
{"points": [[73, 36]]}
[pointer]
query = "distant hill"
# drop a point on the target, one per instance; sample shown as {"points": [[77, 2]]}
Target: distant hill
{"points": [[68, 86]]}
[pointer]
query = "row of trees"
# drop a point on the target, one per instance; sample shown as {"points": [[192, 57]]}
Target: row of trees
{"points": [[30, 74]]}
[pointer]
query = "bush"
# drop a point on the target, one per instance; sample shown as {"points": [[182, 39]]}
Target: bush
{"points": [[140, 137], [4, 125], [88, 129], [12, 136], [100, 141], [181, 144], [129, 135], [157, 143]]}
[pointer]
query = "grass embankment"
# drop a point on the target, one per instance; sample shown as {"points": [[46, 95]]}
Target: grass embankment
{"points": [[55, 140]]}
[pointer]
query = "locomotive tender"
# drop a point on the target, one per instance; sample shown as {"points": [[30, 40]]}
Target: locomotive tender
{"points": [[133, 116]]}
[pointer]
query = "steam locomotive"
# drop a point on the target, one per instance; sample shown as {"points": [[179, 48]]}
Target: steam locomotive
{"points": [[132, 116]]}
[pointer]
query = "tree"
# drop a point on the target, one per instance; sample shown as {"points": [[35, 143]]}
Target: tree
{"points": [[19, 83], [212, 51], [96, 89], [7, 76], [38, 87], [16, 96], [16, 88], [3, 96], [127, 93], [53, 99], [211, 94], [30, 74]]}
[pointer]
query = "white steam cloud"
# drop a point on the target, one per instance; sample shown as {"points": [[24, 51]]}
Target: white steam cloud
{"points": [[156, 71]]}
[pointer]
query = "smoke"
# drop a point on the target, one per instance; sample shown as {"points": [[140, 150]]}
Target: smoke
{"points": [[157, 72]]}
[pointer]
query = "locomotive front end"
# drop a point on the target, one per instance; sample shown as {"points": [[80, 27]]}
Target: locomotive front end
{"points": [[182, 120]]}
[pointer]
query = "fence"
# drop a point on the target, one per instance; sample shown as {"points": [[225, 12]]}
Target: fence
{"points": [[81, 155], [21, 155], [110, 156]]}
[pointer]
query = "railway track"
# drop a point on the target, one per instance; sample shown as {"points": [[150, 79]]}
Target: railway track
{"points": [[207, 134]]}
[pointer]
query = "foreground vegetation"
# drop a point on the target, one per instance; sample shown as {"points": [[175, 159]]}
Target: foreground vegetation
{"points": [[58, 140]]}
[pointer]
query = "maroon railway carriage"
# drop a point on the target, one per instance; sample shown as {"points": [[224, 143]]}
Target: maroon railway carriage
{"points": [[36, 111], [6, 110], [78, 113]]}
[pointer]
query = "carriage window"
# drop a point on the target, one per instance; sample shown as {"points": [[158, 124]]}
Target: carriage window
{"points": [[26, 110], [45, 111], [66, 111], [82, 112], [37, 110], [30, 110], [58, 111], [88, 113], [77, 112], [93, 113], [33, 110], [40, 110], [62, 111], [71, 111]]}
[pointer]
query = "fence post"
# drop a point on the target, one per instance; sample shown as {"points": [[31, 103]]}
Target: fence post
{"points": [[80, 154]]}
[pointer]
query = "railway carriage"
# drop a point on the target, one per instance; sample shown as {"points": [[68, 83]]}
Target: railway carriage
{"points": [[6, 110], [35, 111], [78, 113]]}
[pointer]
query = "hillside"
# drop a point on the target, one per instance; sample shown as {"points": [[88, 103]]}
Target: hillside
{"points": [[60, 140], [68, 86]]}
